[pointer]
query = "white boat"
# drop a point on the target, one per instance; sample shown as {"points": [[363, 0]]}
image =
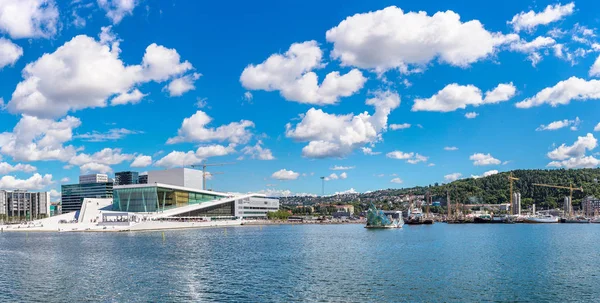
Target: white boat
{"points": [[595, 220], [541, 219]]}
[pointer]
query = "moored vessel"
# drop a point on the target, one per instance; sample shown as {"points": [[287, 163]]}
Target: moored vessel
{"points": [[541, 219]]}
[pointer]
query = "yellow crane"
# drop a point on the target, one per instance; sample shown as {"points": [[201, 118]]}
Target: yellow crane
{"points": [[570, 188], [510, 180]]}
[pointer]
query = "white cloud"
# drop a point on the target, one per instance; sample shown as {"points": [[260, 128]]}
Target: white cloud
{"points": [[332, 135], [485, 174], [333, 176], [35, 139], [595, 69], [110, 135], [563, 92], [193, 129], [65, 180], [258, 152], [6, 168], [397, 181], [399, 126], [452, 177], [28, 18], [84, 73], [284, 174], [431, 164], [450, 148], [9, 53], [214, 150], [248, 96], [55, 195], [178, 159], [577, 162], [343, 175], [34, 182], [141, 161], [292, 74], [93, 167], [391, 39], [480, 159], [369, 151], [116, 10], [577, 150], [411, 158], [597, 128], [454, 96], [471, 115], [338, 167], [532, 48], [182, 85], [560, 124], [530, 20]]}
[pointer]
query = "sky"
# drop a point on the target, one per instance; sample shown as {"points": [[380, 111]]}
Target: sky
{"points": [[368, 94]]}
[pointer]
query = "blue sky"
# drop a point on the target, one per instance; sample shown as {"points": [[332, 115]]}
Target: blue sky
{"points": [[112, 85]]}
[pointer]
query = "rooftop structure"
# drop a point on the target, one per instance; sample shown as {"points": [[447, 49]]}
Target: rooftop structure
{"points": [[93, 178], [184, 177], [126, 178]]}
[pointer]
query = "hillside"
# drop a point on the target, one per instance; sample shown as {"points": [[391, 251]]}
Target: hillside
{"points": [[492, 189]]}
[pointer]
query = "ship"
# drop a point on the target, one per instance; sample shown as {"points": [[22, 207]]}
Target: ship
{"points": [[377, 219], [415, 217], [575, 220], [541, 219]]}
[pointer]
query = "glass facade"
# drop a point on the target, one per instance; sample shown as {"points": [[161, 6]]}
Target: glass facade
{"points": [[153, 199], [72, 195]]}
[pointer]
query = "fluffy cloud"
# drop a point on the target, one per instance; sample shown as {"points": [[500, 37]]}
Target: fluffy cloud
{"points": [[141, 161], [214, 150], [532, 48], [471, 115], [338, 167], [350, 191], [391, 39], [292, 74], [258, 152], [480, 159], [28, 18], [100, 161], [93, 167], [6, 168], [397, 181], [178, 159], [530, 20], [85, 73], [35, 139], [563, 92], [368, 151], [332, 135], [34, 182], [343, 175], [182, 85], [411, 158], [560, 124], [454, 96], [452, 177], [399, 126], [9, 52], [117, 9], [110, 135], [595, 69], [485, 174], [193, 129], [450, 148], [597, 128], [579, 162], [284, 174], [577, 150]]}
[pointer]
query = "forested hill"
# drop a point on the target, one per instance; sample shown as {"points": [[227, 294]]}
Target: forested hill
{"points": [[493, 189]]}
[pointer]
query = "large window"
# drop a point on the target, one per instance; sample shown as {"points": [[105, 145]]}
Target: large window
{"points": [[152, 199]]}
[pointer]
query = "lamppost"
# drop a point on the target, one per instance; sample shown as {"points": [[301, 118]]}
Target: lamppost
{"points": [[322, 186]]}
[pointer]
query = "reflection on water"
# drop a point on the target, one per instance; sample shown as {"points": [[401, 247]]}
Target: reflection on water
{"points": [[333, 263]]}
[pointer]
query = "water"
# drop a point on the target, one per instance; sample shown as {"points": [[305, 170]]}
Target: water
{"points": [[306, 263]]}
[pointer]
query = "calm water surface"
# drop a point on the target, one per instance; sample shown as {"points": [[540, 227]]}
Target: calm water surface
{"points": [[303, 263]]}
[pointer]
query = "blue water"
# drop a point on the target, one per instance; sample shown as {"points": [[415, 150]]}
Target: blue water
{"points": [[306, 263]]}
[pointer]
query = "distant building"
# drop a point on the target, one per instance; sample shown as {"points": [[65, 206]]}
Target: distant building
{"points": [[93, 178], [567, 206], [591, 206], [72, 195], [24, 204], [143, 179], [126, 178], [184, 177], [341, 215], [345, 208], [516, 207]]}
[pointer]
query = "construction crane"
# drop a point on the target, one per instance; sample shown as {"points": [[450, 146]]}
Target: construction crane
{"points": [[570, 188], [510, 180], [204, 170]]}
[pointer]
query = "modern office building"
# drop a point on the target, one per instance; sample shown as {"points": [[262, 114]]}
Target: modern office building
{"points": [[72, 195], [143, 179], [93, 178], [516, 207], [24, 204], [567, 206], [126, 178], [591, 206]]}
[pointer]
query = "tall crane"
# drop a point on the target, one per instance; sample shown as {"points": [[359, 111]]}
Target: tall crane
{"points": [[570, 188], [510, 180], [204, 170]]}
